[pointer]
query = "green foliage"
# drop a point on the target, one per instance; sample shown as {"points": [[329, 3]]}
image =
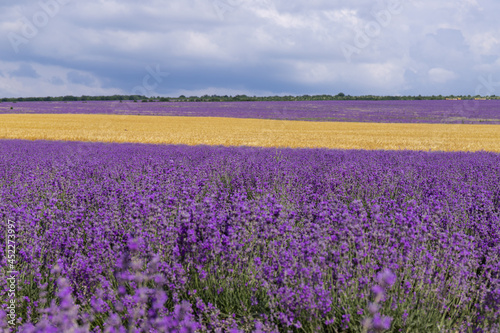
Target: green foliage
{"points": [[74, 98], [239, 98]]}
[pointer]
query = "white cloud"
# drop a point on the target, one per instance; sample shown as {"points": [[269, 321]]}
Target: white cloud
{"points": [[485, 43], [441, 75], [314, 73], [220, 91]]}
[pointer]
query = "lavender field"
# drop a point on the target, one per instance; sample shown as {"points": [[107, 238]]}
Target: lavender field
{"points": [[147, 238], [416, 111]]}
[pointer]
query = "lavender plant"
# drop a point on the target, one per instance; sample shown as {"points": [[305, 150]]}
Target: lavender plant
{"points": [[144, 238], [414, 111], [379, 323]]}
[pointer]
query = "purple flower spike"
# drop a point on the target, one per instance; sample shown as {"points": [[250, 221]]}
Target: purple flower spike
{"points": [[373, 308], [387, 278], [133, 244], [381, 323], [378, 290]]}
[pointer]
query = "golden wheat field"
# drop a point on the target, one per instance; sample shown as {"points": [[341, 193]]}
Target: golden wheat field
{"points": [[249, 132]]}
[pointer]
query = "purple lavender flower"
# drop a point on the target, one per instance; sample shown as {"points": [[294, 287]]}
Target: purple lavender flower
{"points": [[135, 229], [386, 278], [414, 111], [378, 290], [134, 244]]}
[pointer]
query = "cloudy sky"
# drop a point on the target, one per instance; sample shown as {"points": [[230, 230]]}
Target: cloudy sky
{"points": [[253, 47]]}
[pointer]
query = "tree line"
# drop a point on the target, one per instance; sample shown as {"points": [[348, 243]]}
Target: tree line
{"points": [[241, 98]]}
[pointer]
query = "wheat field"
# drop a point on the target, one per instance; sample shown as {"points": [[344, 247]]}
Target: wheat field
{"points": [[249, 132]]}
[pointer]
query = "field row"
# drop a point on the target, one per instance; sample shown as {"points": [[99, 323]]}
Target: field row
{"points": [[250, 132], [440, 112], [154, 237]]}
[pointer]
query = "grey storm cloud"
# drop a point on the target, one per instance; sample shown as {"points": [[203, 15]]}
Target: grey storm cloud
{"points": [[77, 78], [256, 47], [57, 81], [25, 70]]}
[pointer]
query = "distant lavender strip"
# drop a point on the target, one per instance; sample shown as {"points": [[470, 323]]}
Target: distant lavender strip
{"points": [[432, 111]]}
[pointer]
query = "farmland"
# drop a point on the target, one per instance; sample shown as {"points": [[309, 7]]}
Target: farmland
{"points": [[429, 112], [260, 239], [250, 217], [250, 132]]}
